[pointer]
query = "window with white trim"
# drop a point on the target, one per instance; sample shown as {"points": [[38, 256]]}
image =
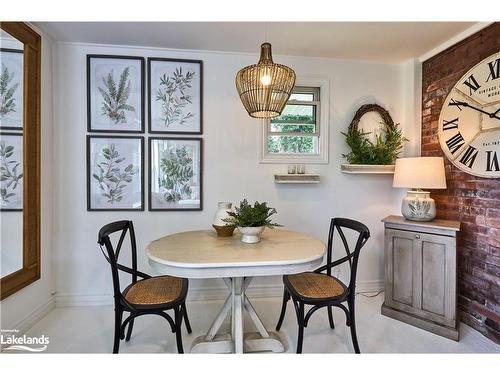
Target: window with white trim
{"points": [[300, 133]]}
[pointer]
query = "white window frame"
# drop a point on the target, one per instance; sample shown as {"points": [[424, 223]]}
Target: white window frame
{"points": [[324, 124]]}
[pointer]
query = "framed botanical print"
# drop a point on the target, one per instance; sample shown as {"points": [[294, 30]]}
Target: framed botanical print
{"points": [[115, 94], [175, 90], [11, 89], [115, 176], [175, 174], [11, 171]]}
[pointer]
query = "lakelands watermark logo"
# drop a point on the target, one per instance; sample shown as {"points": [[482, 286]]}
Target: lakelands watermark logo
{"points": [[11, 341]]}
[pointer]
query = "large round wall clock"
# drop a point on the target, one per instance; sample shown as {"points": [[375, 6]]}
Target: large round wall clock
{"points": [[469, 123]]}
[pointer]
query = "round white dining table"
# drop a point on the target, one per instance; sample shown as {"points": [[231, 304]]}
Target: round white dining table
{"points": [[201, 254]]}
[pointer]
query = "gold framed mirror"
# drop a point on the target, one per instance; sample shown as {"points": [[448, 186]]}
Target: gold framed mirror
{"points": [[20, 91]]}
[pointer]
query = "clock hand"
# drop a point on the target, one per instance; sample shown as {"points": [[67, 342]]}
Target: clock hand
{"points": [[494, 114], [470, 98], [465, 104]]}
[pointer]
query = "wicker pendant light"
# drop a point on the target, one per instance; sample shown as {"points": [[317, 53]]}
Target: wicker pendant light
{"points": [[265, 87]]}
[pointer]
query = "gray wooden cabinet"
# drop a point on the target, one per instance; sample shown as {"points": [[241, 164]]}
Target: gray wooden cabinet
{"points": [[421, 274]]}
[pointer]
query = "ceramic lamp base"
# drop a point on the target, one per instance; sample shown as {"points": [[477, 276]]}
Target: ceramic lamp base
{"points": [[418, 206]]}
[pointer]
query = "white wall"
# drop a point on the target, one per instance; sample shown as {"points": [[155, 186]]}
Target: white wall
{"points": [[412, 96], [231, 168], [21, 309]]}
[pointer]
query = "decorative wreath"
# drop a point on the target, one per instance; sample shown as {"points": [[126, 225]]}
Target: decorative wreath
{"points": [[386, 147]]}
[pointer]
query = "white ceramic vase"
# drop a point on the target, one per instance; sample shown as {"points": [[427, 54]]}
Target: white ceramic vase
{"points": [[221, 227], [251, 234]]}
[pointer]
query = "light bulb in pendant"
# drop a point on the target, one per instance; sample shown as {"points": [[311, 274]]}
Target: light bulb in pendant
{"points": [[265, 80]]}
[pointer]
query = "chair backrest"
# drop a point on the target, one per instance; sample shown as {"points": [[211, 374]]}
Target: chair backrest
{"points": [[113, 252], [352, 254]]}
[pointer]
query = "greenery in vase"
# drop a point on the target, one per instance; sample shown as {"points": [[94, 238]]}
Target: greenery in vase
{"points": [[115, 97], [383, 151], [8, 172], [111, 179], [176, 167], [7, 91], [173, 96], [247, 215]]}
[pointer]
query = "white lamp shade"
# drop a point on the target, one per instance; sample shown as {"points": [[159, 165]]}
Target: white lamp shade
{"points": [[420, 173]]}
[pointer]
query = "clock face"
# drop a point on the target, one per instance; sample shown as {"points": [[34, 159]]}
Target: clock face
{"points": [[469, 123]]}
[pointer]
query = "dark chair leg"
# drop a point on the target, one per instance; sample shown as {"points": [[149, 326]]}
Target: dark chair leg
{"points": [[353, 325], [300, 321], [129, 330], [118, 324], [186, 320], [286, 297], [178, 333], [330, 317]]}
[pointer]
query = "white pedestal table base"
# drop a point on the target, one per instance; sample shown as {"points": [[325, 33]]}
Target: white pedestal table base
{"points": [[237, 341]]}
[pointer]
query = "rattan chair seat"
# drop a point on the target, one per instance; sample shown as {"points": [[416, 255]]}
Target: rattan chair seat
{"points": [[314, 285], [155, 291]]}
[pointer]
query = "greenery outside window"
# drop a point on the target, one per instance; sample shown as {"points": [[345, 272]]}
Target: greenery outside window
{"points": [[300, 133]]}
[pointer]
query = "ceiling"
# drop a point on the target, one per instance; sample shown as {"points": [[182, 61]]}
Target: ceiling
{"points": [[390, 42]]}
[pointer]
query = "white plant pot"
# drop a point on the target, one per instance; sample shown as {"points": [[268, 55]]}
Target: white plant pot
{"points": [[251, 234]]}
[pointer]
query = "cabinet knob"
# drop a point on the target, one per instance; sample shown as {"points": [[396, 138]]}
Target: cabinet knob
{"points": [[417, 236]]}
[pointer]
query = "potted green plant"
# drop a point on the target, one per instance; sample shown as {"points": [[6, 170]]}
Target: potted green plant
{"points": [[373, 153], [251, 220]]}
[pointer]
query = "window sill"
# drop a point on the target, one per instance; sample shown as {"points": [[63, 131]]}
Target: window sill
{"points": [[293, 159]]}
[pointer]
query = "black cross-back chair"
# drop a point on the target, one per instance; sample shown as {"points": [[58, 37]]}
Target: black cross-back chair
{"points": [[323, 290], [149, 295]]}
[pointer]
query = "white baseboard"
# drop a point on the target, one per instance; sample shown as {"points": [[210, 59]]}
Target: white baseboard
{"points": [[370, 286], [35, 316], [24, 324], [77, 300], [202, 294]]}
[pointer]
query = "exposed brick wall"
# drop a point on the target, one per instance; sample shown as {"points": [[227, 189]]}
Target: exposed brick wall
{"points": [[474, 201]]}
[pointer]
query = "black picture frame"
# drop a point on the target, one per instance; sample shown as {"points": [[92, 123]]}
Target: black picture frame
{"points": [[88, 172], [15, 128], [151, 139], [189, 61], [17, 134], [142, 91]]}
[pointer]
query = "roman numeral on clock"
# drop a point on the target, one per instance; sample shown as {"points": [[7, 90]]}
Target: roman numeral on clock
{"points": [[472, 84], [448, 125], [494, 70], [469, 157], [455, 143], [492, 161]]}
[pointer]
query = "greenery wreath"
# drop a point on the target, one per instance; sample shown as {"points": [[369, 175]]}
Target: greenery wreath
{"points": [[386, 147]]}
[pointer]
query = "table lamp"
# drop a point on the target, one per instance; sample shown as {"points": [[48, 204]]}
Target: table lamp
{"points": [[417, 174]]}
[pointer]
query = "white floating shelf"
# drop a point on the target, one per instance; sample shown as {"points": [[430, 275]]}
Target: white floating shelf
{"points": [[297, 178], [367, 169]]}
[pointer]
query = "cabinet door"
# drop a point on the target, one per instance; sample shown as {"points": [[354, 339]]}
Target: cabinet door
{"points": [[438, 293], [400, 273], [421, 275]]}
